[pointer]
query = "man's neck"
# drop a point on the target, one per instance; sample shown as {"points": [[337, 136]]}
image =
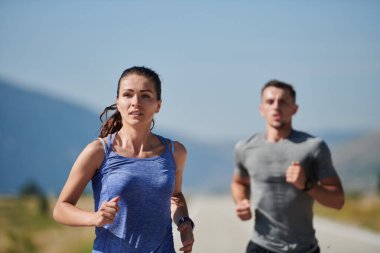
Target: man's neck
{"points": [[275, 135]]}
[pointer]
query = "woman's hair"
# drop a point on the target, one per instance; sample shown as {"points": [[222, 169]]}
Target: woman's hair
{"points": [[114, 123]]}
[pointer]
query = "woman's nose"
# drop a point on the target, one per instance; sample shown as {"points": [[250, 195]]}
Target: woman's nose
{"points": [[135, 100]]}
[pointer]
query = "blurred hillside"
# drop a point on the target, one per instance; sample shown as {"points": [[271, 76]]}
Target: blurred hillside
{"points": [[358, 162], [41, 136]]}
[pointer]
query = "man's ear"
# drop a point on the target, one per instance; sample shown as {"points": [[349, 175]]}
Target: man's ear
{"points": [[261, 110], [295, 110]]}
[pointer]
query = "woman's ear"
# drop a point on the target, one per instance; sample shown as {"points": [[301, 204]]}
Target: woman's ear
{"points": [[159, 106]]}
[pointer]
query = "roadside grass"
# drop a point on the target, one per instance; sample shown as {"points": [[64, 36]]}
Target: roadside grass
{"points": [[24, 228], [20, 219], [85, 248], [360, 210]]}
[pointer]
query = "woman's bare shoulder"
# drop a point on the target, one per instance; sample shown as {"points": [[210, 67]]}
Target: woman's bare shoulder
{"points": [[94, 152], [179, 148]]}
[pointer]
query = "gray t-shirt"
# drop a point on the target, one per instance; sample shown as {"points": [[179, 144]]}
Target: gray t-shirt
{"points": [[283, 214]]}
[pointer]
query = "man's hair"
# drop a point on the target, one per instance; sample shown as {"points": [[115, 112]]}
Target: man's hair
{"points": [[280, 85]]}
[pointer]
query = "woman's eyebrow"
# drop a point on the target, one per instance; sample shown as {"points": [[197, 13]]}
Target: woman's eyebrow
{"points": [[132, 90], [147, 90]]}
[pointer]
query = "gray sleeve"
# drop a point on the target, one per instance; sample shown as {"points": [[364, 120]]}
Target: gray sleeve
{"points": [[240, 169], [323, 165]]}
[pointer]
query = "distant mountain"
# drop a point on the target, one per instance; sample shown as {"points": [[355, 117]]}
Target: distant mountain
{"points": [[41, 136], [339, 137], [209, 166], [358, 162]]}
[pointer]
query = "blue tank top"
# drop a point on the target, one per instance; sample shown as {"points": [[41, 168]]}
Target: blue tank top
{"points": [[145, 187]]}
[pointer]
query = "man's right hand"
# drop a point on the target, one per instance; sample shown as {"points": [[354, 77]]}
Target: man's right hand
{"points": [[243, 210]]}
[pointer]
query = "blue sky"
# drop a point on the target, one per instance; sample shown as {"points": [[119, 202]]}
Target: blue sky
{"points": [[212, 56]]}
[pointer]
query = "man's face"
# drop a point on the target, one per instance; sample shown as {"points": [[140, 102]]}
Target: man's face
{"points": [[277, 107]]}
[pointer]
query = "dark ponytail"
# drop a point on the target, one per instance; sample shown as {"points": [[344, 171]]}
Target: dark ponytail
{"points": [[112, 124]]}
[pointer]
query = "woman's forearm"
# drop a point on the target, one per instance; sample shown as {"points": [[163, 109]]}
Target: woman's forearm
{"points": [[69, 214], [178, 207]]}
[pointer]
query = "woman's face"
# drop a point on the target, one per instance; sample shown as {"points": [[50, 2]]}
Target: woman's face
{"points": [[137, 101]]}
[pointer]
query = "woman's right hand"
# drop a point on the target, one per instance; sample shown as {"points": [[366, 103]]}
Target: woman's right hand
{"points": [[107, 212]]}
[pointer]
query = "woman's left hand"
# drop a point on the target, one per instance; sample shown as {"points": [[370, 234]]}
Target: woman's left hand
{"points": [[187, 237]]}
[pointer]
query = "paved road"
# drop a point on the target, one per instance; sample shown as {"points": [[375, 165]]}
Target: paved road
{"points": [[218, 230]]}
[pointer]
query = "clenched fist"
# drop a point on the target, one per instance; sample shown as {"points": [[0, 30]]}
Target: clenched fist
{"points": [[295, 175], [107, 212], [187, 237], [243, 210]]}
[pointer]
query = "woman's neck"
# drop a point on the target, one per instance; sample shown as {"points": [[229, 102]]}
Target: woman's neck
{"points": [[137, 140]]}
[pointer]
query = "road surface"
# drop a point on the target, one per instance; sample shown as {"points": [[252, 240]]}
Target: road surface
{"points": [[218, 230]]}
